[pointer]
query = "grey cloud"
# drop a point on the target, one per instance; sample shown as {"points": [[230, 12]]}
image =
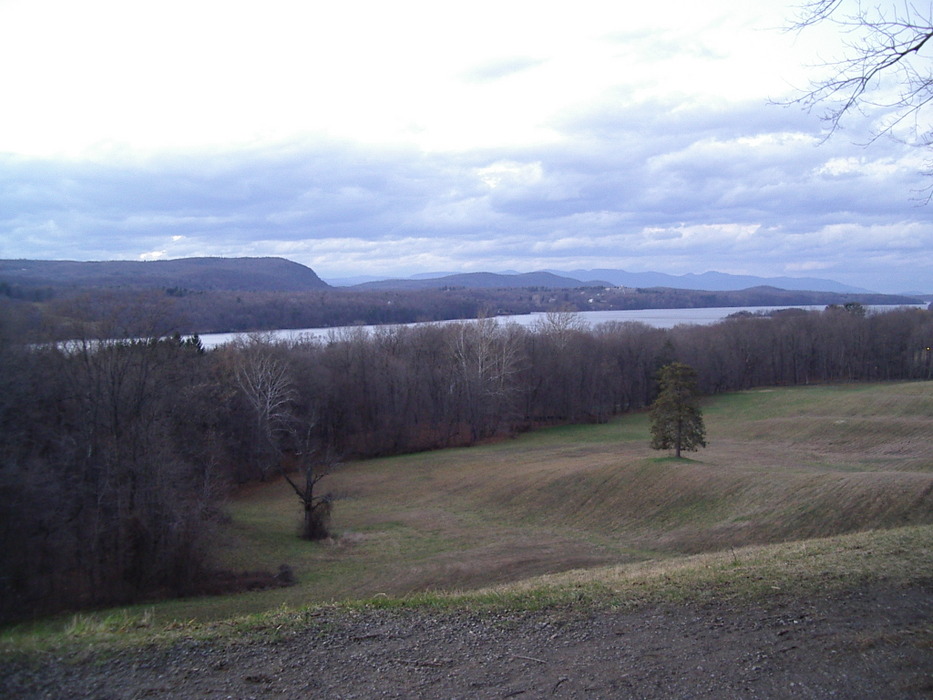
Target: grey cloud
{"points": [[752, 159], [648, 186]]}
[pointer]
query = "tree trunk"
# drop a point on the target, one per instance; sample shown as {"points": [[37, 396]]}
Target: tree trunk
{"points": [[679, 438], [315, 522]]}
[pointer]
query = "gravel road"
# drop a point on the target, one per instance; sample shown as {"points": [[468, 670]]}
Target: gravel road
{"points": [[872, 643]]}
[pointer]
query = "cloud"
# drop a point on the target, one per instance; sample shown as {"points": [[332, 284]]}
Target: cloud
{"points": [[499, 68], [665, 185]]}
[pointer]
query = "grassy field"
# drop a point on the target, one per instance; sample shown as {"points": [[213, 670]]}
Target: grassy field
{"points": [[795, 483]]}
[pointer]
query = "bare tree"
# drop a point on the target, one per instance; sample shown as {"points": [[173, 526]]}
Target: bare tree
{"points": [[265, 379], [886, 67], [265, 382], [486, 357], [561, 325], [313, 466]]}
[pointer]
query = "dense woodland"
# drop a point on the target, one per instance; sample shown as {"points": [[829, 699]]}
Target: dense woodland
{"points": [[55, 313], [115, 456]]}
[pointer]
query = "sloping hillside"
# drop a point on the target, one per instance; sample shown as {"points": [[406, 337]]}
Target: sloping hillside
{"points": [[195, 274], [623, 609], [782, 465]]}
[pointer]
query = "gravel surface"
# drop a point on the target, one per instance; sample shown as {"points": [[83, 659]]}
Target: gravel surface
{"points": [[872, 643]]}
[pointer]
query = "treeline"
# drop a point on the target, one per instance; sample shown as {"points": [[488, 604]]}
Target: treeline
{"points": [[108, 473], [115, 455], [66, 313]]}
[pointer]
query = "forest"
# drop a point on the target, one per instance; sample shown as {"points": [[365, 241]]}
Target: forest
{"points": [[56, 313], [116, 455]]}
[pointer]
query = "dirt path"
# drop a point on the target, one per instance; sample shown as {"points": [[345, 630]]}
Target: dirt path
{"points": [[872, 643]]}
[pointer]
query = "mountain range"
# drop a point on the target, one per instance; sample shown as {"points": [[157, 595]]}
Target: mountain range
{"points": [[278, 274], [485, 280], [708, 281]]}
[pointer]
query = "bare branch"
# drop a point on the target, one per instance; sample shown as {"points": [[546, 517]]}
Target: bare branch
{"points": [[886, 70], [813, 12]]}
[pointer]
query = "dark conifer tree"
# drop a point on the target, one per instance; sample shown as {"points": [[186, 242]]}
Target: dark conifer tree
{"points": [[676, 419]]}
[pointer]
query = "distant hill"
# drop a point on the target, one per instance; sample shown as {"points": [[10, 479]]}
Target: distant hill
{"points": [[713, 281], [195, 274], [485, 280], [764, 295], [559, 279]]}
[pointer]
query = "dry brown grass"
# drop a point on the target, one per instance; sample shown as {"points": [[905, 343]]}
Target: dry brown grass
{"points": [[783, 465]]}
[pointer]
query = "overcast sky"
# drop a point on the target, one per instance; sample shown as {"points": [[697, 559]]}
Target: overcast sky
{"points": [[392, 138]]}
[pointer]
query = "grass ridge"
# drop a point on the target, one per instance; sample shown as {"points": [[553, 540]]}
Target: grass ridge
{"points": [[817, 567]]}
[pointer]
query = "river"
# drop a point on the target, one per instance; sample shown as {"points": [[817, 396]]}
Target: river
{"points": [[658, 318]]}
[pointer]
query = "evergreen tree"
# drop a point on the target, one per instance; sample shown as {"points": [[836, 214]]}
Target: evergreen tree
{"points": [[676, 419]]}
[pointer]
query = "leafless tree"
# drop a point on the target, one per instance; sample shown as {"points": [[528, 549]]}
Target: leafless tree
{"points": [[886, 67], [265, 382], [313, 465], [283, 435], [486, 357], [561, 325]]}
